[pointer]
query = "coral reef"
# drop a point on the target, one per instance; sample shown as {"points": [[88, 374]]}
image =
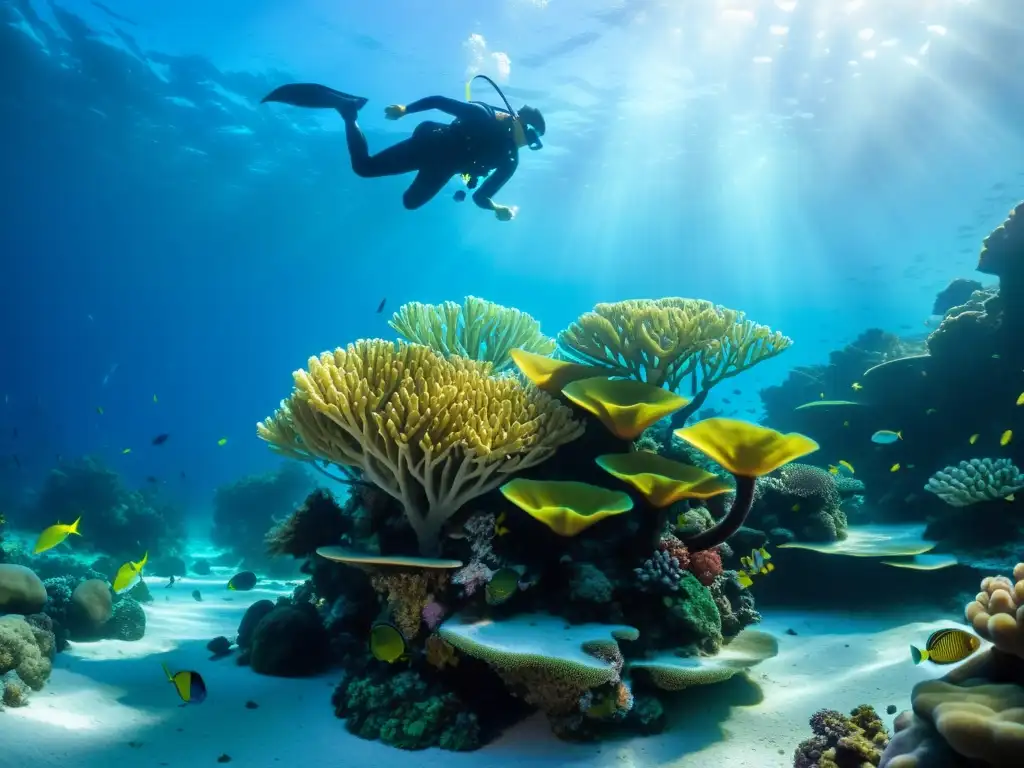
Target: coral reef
{"points": [[114, 519], [245, 510], [26, 656], [972, 716], [476, 329], [502, 536], [976, 480], [803, 499], [841, 741]]}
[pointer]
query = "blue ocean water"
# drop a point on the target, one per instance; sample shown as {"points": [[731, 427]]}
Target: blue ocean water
{"points": [[173, 249]]}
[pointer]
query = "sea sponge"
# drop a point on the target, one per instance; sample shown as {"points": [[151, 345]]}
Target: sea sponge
{"points": [[22, 651], [997, 612], [433, 433], [976, 480], [706, 565], [545, 661], [665, 341], [476, 329]]}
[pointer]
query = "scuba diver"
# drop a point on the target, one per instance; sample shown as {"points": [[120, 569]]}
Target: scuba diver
{"points": [[482, 141]]}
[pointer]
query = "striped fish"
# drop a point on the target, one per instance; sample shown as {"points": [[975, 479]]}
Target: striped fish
{"points": [[946, 646]]}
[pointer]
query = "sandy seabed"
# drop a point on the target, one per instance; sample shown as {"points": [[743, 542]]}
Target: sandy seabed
{"points": [[108, 703]]}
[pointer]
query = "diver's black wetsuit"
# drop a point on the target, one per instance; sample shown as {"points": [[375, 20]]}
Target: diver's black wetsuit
{"points": [[480, 140]]}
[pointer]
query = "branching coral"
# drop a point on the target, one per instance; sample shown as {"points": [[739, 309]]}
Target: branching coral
{"points": [[666, 341], [476, 329], [431, 432], [843, 742], [661, 572], [976, 480]]}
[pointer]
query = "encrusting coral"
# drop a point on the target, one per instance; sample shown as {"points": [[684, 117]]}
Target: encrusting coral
{"points": [[841, 741], [665, 341], [27, 650], [432, 432], [976, 480], [476, 329]]}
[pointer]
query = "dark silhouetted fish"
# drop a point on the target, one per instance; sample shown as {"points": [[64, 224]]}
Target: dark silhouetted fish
{"points": [[380, 307], [160, 439], [243, 582]]}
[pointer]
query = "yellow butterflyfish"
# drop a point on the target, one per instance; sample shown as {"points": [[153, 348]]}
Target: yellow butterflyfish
{"points": [[1006, 438], [55, 535]]}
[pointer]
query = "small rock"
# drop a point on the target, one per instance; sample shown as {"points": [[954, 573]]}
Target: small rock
{"points": [[891, 709], [220, 646]]}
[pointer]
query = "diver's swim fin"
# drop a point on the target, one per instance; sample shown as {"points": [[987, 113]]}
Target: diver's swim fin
{"points": [[314, 96]]}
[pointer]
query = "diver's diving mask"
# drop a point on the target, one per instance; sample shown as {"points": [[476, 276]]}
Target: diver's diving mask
{"points": [[532, 138]]}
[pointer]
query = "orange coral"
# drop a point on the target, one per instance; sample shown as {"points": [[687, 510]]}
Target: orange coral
{"points": [[706, 565]]}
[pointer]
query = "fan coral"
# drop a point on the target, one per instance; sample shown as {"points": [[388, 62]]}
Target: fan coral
{"points": [[976, 480], [476, 329], [431, 432], [839, 741], [661, 571]]}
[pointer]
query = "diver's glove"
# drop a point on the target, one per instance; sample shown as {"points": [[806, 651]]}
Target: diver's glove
{"points": [[394, 112], [505, 212]]}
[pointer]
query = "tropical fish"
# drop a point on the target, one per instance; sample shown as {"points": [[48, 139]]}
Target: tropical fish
{"points": [[833, 469], [946, 646], [126, 451], [242, 582], [99, 409], [380, 307], [847, 466], [856, 386], [55, 535], [886, 437], [795, 507], [895, 467], [222, 441], [846, 423], [160, 439], [754, 565], [930, 411], [189, 685], [387, 643], [129, 574], [1011, 497], [503, 584], [154, 399], [500, 529], [1020, 399], [973, 438], [1006, 437], [196, 596]]}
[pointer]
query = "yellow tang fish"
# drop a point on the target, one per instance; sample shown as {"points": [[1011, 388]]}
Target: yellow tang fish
{"points": [[946, 646], [847, 466], [894, 468], [1020, 399], [54, 535], [1006, 438], [128, 575], [973, 438]]}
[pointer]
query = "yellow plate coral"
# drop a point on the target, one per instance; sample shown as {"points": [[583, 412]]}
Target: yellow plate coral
{"points": [[566, 507], [661, 480], [624, 406], [744, 448]]}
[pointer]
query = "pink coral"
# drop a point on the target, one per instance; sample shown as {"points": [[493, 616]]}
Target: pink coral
{"points": [[706, 566], [433, 612]]}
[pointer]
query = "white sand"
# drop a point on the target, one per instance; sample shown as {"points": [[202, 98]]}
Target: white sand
{"points": [[108, 703]]}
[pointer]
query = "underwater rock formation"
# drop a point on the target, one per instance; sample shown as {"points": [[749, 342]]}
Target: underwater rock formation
{"points": [[27, 648], [289, 641], [21, 590]]}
